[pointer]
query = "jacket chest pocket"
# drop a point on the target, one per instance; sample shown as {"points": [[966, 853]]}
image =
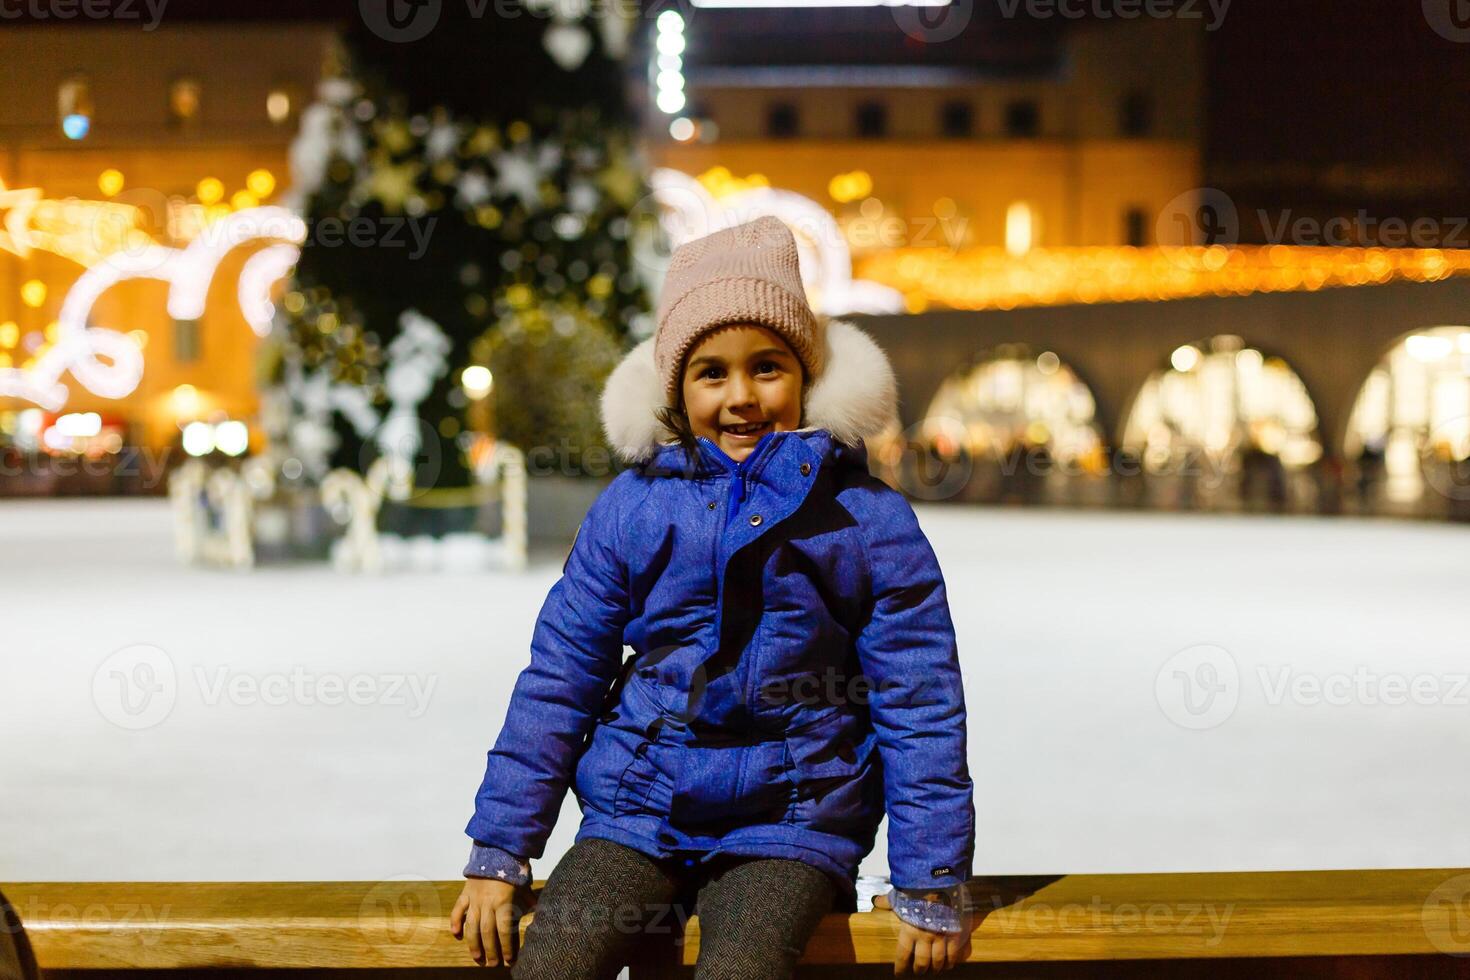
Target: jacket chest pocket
{"points": [[729, 785]]}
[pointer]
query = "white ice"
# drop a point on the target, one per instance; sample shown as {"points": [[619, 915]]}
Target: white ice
{"points": [[1090, 643]]}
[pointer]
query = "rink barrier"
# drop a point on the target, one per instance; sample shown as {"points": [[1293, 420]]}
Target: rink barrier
{"points": [[1313, 923]]}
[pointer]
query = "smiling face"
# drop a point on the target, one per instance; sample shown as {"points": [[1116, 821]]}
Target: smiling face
{"points": [[740, 382]]}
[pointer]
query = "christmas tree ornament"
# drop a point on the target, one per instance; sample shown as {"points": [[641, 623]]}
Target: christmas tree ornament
{"points": [[568, 44]]}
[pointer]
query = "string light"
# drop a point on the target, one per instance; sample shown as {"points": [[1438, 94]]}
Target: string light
{"points": [[1020, 228], [278, 105], [210, 190], [987, 277], [668, 68], [232, 437], [198, 438], [476, 380], [185, 401], [850, 186], [1184, 358], [720, 182], [108, 363], [261, 183]]}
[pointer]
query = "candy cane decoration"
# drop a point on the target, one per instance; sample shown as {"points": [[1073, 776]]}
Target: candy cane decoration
{"points": [[191, 523], [361, 499], [80, 347], [232, 545], [505, 467]]}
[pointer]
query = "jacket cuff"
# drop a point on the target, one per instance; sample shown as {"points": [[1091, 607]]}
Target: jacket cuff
{"points": [[489, 861], [941, 915]]}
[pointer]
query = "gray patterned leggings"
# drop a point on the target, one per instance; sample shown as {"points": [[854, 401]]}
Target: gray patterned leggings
{"points": [[755, 914]]}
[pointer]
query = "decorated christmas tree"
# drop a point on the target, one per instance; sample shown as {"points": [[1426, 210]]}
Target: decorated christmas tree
{"points": [[469, 272]]}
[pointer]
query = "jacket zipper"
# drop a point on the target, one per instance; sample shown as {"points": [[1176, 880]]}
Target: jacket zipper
{"points": [[742, 487], [744, 470]]}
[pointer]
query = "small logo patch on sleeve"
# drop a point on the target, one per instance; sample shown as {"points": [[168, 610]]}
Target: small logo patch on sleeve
{"points": [[941, 872]]}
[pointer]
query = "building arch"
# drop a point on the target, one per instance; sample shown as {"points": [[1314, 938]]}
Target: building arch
{"points": [[1225, 419], [1014, 421], [1408, 433], [1014, 393]]}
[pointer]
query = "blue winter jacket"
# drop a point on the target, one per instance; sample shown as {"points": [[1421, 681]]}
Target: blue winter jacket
{"points": [[793, 670]]}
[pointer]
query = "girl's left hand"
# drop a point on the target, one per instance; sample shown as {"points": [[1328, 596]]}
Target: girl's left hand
{"points": [[922, 951]]}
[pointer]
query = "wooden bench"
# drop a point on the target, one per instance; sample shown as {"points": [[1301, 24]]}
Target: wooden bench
{"points": [[1259, 924]]}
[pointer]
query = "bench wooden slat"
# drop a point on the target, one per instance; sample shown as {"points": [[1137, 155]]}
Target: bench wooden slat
{"points": [[404, 923]]}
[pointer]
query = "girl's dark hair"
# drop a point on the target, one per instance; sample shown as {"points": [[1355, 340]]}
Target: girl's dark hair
{"points": [[677, 423]]}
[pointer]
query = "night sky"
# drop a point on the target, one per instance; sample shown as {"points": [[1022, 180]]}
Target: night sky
{"points": [[1356, 102]]}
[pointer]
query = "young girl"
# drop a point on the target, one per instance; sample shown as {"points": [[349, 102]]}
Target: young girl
{"points": [[793, 670]]}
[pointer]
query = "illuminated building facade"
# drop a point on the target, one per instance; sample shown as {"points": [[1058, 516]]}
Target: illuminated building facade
{"points": [[1082, 137], [1033, 204], [1071, 288], [118, 141]]}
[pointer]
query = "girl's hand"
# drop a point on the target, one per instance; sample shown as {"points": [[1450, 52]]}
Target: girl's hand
{"points": [[486, 915], [922, 951]]}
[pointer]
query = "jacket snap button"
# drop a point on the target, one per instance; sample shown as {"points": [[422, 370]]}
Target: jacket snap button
{"points": [[806, 468], [711, 505], [755, 520]]}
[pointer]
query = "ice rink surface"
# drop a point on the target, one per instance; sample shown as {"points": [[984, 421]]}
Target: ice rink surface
{"points": [[1146, 692]]}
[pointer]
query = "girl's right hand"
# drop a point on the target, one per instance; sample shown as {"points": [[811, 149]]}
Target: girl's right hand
{"points": [[486, 915]]}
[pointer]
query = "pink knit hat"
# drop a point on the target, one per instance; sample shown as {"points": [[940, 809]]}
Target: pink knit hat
{"points": [[745, 274]]}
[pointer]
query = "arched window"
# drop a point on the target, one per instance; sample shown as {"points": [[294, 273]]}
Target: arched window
{"points": [[280, 103], [74, 107], [1014, 396], [184, 97], [1023, 227], [1410, 427], [1221, 415], [1016, 424]]}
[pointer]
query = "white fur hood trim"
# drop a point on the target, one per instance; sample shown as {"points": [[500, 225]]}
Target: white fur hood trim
{"points": [[855, 397]]}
